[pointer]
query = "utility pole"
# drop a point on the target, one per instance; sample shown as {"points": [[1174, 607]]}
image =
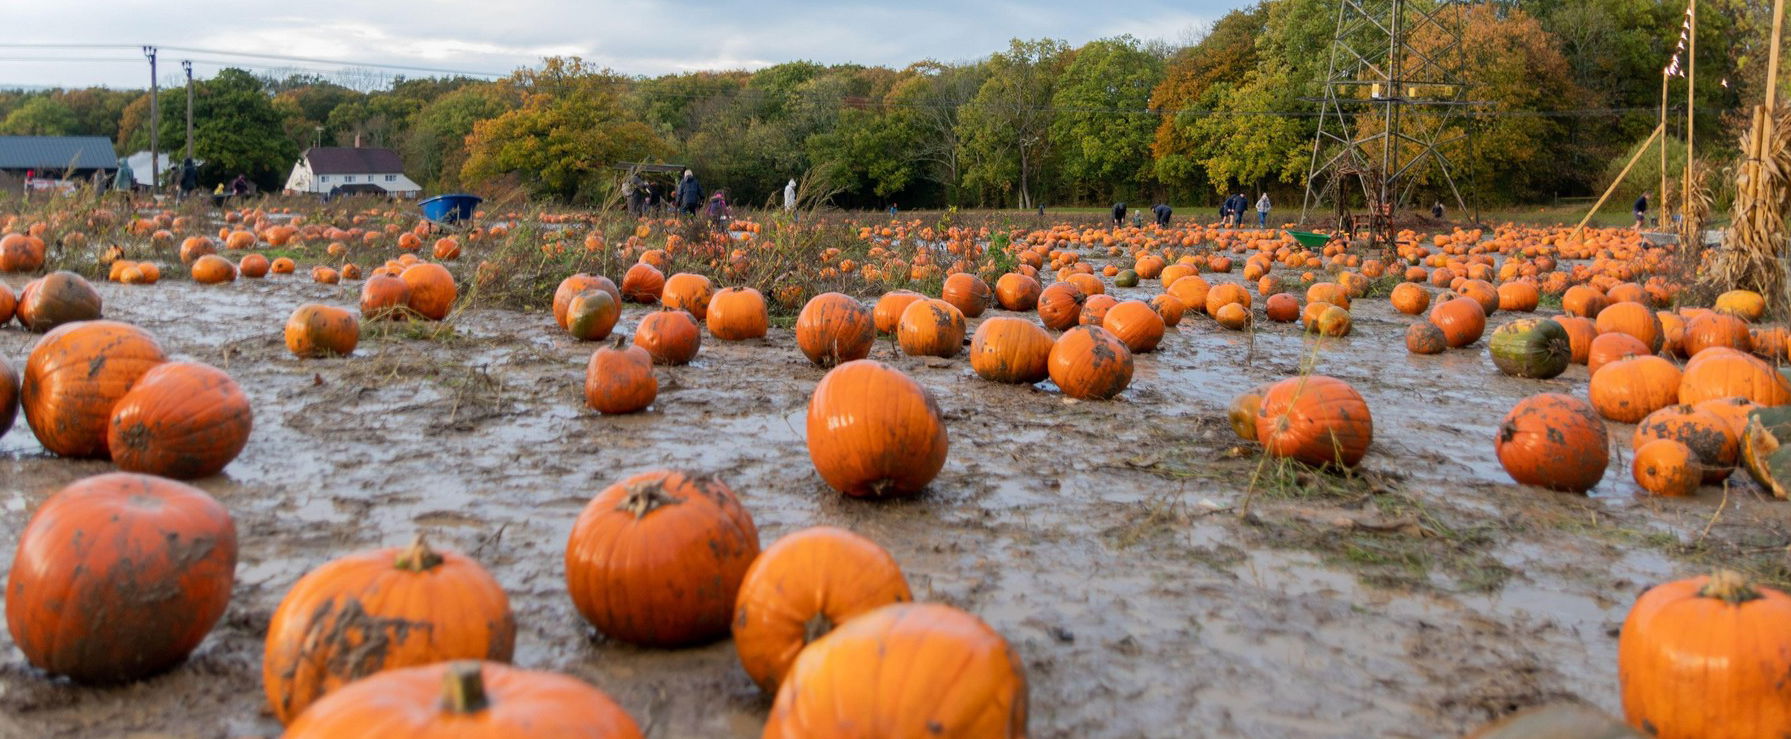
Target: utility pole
{"points": [[155, 158], [1691, 106], [188, 67]]}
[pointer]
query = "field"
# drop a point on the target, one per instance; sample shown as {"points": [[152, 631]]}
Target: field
{"points": [[1157, 575]]}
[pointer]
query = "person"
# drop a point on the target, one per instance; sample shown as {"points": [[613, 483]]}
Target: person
{"points": [[717, 210], [892, 210], [631, 193], [790, 196], [126, 180], [1138, 220], [189, 178], [1436, 211], [335, 192], [1224, 210], [650, 199], [239, 187], [1641, 209], [1262, 211], [1239, 204], [690, 194], [1119, 215], [1163, 212]]}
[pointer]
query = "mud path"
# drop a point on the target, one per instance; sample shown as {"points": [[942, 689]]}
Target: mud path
{"points": [[1418, 598]]}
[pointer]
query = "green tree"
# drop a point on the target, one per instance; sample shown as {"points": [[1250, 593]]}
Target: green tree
{"points": [[1103, 128], [1004, 132], [927, 100], [236, 130], [1196, 79], [435, 146], [40, 116]]}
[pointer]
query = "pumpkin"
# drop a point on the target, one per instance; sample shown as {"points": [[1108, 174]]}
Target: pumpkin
{"points": [[619, 379], [1017, 292], [669, 336], [325, 275], [1711, 437], [1136, 324], [1233, 316], [1583, 301], [239, 240], [1012, 350], [804, 586], [737, 314], [9, 396], [254, 266], [1241, 414], [1629, 389], [1224, 294], [1328, 292], [1519, 296], [833, 329], [1125, 278], [966, 292], [119, 576], [432, 290], [317, 330], [1170, 308], [931, 328], [1462, 320], [1282, 308], [1090, 363], [18, 253], [1744, 304], [212, 269], [75, 376], [1532, 347], [642, 283], [384, 296], [182, 420], [1707, 657], [1608, 348], [58, 298], [1060, 306], [1733, 411], [1315, 419], [194, 247], [1634, 319], [1666, 467], [875, 432], [687, 292], [1192, 290], [8, 304], [1581, 332], [1769, 343], [1672, 331], [1424, 337], [1087, 283], [1333, 321], [592, 314], [1309, 315], [1410, 298], [1713, 330], [1553, 441], [571, 287], [904, 670], [282, 266], [377, 610], [1728, 373], [465, 699], [656, 560], [888, 314]]}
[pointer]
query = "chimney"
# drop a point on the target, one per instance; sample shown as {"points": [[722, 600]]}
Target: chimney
{"points": [[357, 141]]}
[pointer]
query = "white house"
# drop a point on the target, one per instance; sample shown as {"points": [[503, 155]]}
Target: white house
{"points": [[346, 170]]}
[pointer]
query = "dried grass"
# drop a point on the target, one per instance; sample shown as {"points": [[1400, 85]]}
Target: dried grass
{"points": [[1755, 247]]}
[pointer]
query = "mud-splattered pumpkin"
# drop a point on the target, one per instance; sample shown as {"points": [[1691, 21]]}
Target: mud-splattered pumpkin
{"points": [[465, 700], [932, 328], [1017, 292], [1462, 320], [670, 336], [75, 376], [119, 576], [183, 420], [619, 379], [432, 289], [1170, 308], [1424, 337], [1094, 310], [58, 298], [657, 559], [571, 287], [687, 292], [317, 330], [834, 328], [642, 283], [1315, 419], [804, 586], [1709, 436], [384, 296], [1553, 441], [875, 432], [1536, 348], [1090, 363], [737, 314], [1136, 324], [379, 610], [1707, 657], [1666, 467], [1716, 330], [1008, 349], [1629, 389]]}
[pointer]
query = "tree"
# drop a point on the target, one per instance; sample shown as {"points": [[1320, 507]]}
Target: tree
{"points": [[435, 145], [1004, 131], [236, 130], [1103, 128], [926, 101], [1196, 79], [40, 116]]}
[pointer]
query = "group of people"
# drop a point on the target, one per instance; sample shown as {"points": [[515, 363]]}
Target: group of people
{"points": [[646, 198], [1231, 212]]}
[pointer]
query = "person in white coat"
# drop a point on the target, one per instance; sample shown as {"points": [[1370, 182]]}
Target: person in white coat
{"points": [[1262, 211], [790, 196]]}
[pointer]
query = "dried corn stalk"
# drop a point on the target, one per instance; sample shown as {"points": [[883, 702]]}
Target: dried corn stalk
{"points": [[1756, 247]]}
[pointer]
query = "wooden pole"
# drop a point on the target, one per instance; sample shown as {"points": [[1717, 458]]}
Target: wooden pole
{"points": [[1643, 149], [1691, 106], [1772, 57], [1660, 196]]}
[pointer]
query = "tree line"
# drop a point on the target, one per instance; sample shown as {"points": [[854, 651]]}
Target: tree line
{"points": [[1563, 90]]}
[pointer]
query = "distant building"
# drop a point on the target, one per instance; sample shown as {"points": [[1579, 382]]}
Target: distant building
{"points": [[169, 163], [44, 162], [348, 170]]}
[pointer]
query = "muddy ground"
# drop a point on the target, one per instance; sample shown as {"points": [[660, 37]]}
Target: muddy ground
{"points": [[1418, 598]]}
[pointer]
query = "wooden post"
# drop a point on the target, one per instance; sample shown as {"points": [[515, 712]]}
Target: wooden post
{"points": [[1772, 57], [1614, 183], [1691, 105], [1660, 196]]}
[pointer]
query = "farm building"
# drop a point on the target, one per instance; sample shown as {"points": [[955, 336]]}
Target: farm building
{"points": [[46, 161], [343, 170]]}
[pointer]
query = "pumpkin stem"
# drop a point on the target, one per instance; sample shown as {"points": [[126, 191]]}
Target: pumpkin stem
{"points": [[644, 499], [1730, 586], [621, 340], [463, 688], [418, 557], [815, 628]]}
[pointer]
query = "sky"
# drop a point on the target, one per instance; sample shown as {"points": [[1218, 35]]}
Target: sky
{"points": [[497, 36]]}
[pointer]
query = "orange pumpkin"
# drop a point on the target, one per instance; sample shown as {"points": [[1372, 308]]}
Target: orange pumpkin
{"points": [[195, 247], [75, 376], [1553, 441], [875, 432], [1315, 419], [182, 420], [642, 283], [1635, 320], [1425, 338], [1462, 320], [619, 379], [282, 266], [1666, 467], [378, 610], [1672, 331], [254, 266], [1090, 363], [1733, 411], [1170, 308], [1013, 350], [1017, 292], [1629, 389], [212, 269], [931, 328], [316, 330], [1410, 298], [1744, 304], [1481, 292], [446, 249], [572, 286], [1241, 414], [432, 289], [657, 559], [737, 314], [8, 304], [1727, 373], [1708, 435], [1094, 310], [384, 296], [833, 329], [58, 298], [1716, 329], [1234, 316], [1136, 324], [468, 700], [687, 292], [966, 292], [888, 313], [1282, 308], [1583, 301], [592, 314], [803, 587], [1687, 641], [1611, 347], [119, 576], [1520, 296], [1225, 294], [1060, 306], [1192, 290], [670, 336], [1581, 332]]}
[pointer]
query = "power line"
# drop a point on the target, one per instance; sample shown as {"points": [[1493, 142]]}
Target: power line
{"points": [[258, 55]]}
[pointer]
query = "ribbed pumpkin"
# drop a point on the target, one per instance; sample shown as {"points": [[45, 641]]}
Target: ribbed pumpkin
{"points": [[1744, 304], [738, 314], [1708, 435], [642, 283], [1580, 334], [1629, 389], [1090, 363], [1192, 290], [1714, 330], [656, 560], [432, 289], [592, 314], [619, 379], [75, 376], [58, 298], [1136, 324], [669, 336], [1170, 308], [1553, 441], [182, 420], [212, 269], [1634, 319], [1482, 292], [1094, 309], [966, 292], [1727, 373], [803, 587], [833, 329], [1519, 296], [1017, 292], [1410, 298], [1060, 306], [119, 576], [1608, 348], [317, 330], [1462, 320], [1241, 414], [465, 700], [1315, 419], [570, 288], [875, 432], [931, 328], [1707, 657], [1583, 301], [888, 313], [1666, 467], [1424, 337], [1532, 347], [1224, 294], [687, 292], [1013, 350], [904, 670]]}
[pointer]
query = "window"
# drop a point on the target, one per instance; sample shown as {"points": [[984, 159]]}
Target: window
{"points": [[348, 178], [325, 178], [391, 178]]}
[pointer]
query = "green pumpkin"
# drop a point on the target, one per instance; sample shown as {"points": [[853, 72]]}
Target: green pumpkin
{"points": [[1533, 347], [1126, 278], [591, 315]]}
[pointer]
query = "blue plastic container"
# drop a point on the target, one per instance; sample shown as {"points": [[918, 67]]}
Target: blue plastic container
{"points": [[450, 209]]}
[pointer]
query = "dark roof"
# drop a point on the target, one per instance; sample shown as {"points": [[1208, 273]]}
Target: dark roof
{"points": [[352, 160], [57, 152], [358, 188]]}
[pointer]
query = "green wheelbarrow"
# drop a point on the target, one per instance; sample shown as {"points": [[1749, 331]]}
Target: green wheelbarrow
{"points": [[1310, 240]]}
